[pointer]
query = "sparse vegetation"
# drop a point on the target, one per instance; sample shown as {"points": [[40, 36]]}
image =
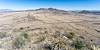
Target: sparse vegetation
{"points": [[78, 44], [25, 35], [70, 35], [21, 40], [3, 34], [50, 30], [40, 39], [55, 46], [59, 45]]}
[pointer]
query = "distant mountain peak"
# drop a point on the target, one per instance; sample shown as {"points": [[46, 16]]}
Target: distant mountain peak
{"points": [[46, 9], [50, 9]]}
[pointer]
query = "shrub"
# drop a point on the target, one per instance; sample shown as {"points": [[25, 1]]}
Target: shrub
{"points": [[21, 40], [3, 34], [78, 44], [25, 35], [54, 46], [60, 45], [70, 35]]}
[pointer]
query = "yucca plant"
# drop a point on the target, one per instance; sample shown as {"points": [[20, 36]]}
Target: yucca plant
{"points": [[78, 44]]}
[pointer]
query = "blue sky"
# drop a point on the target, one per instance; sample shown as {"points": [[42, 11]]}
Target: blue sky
{"points": [[59, 4]]}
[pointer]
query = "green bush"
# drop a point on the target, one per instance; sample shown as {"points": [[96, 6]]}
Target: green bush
{"points": [[21, 40], [78, 44], [3, 34], [25, 35]]}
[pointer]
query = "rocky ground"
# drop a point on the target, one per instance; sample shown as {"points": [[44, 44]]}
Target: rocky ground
{"points": [[49, 30]]}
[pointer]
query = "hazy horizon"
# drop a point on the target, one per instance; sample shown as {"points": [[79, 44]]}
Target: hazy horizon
{"points": [[59, 4]]}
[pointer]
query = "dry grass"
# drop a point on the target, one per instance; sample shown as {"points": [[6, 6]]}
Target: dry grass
{"points": [[61, 31]]}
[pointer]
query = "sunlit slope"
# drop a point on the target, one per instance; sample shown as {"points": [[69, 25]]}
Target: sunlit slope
{"points": [[43, 24]]}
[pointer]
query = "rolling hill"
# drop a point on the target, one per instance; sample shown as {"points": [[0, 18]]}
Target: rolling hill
{"points": [[49, 29]]}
